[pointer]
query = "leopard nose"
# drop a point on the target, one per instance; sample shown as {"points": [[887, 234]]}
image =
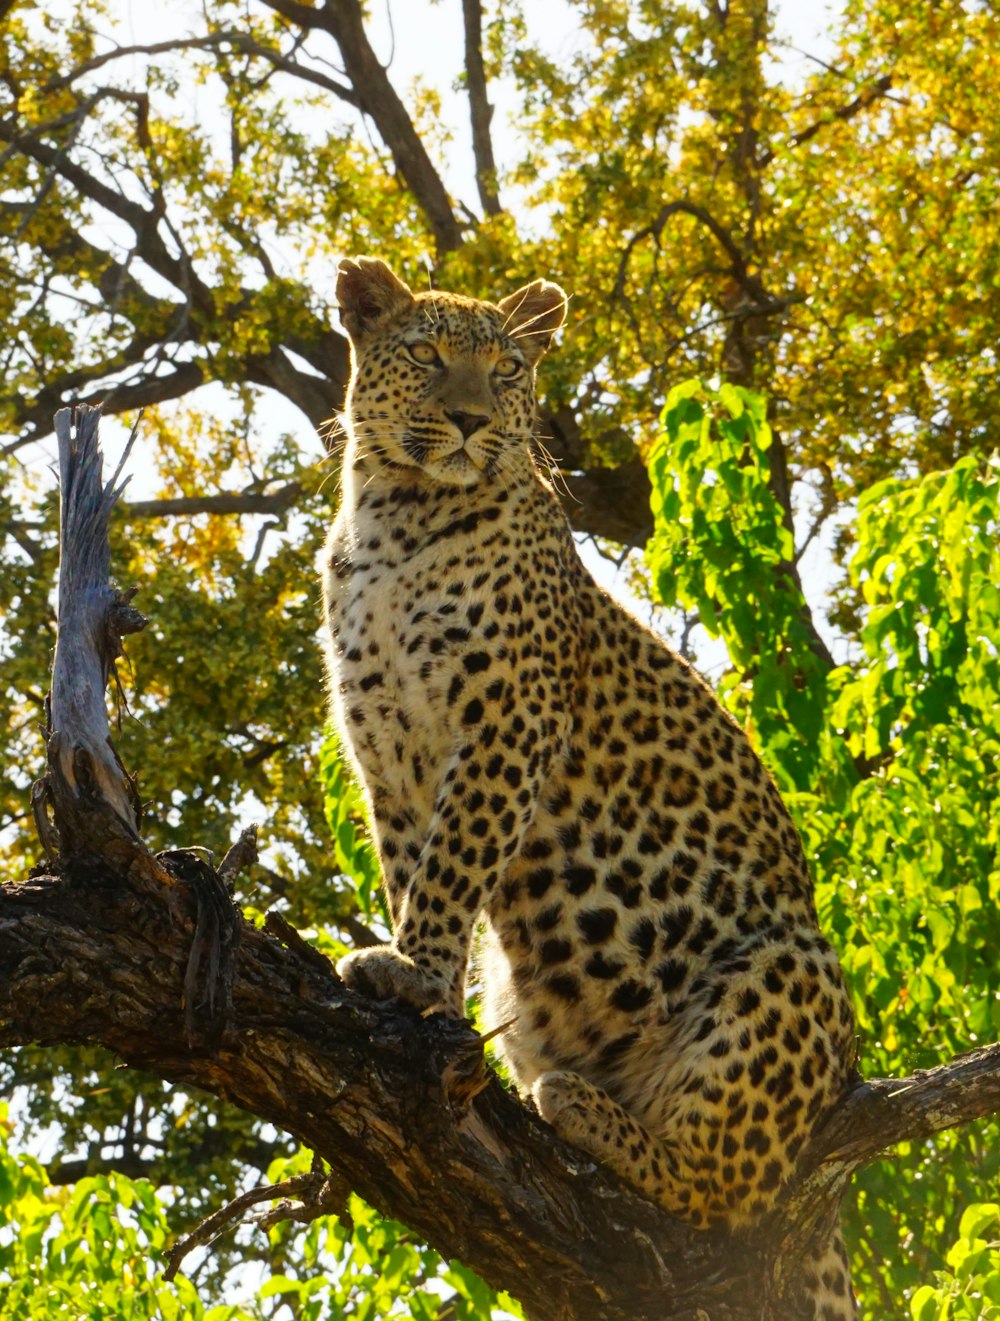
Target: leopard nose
{"points": [[467, 423]]}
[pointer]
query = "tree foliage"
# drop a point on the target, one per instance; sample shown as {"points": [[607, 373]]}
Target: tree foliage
{"points": [[785, 298]]}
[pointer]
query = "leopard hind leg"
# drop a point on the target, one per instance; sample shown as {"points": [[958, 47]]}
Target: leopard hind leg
{"points": [[592, 1121], [588, 1118]]}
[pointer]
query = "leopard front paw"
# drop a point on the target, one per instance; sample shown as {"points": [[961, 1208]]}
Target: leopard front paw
{"points": [[382, 972]]}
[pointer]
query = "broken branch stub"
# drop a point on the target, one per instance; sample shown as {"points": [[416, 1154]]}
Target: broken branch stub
{"points": [[84, 771]]}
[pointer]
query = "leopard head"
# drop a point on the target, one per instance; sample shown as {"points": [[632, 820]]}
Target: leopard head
{"points": [[442, 383]]}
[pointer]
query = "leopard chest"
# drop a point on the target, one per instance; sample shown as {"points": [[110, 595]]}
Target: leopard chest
{"points": [[403, 616]]}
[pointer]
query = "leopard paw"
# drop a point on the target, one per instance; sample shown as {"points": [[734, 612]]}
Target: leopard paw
{"points": [[565, 1101], [382, 972]]}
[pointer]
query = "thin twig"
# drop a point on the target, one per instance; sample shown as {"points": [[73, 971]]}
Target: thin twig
{"points": [[212, 1226]]}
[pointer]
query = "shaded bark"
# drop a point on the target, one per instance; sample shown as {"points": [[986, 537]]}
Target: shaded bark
{"points": [[402, 1108]]}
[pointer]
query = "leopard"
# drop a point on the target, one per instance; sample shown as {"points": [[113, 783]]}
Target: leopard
{"points": [[546, 780]]}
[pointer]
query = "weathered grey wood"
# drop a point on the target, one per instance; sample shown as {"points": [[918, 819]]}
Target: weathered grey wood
{"points": [[86, 806], [93, 616]]}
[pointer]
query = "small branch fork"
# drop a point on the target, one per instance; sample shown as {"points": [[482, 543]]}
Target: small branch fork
{"points": [[125, 951], [316, 1194]]}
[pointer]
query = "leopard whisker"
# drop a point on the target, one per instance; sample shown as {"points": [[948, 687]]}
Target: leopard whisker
{"points": [[555, 472], [522, 331]]}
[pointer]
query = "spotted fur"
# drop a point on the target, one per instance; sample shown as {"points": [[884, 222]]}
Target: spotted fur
{"points": [[536, 758]]}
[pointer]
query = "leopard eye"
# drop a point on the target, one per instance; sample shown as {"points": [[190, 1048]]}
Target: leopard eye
{"points": [[508, 368], [424, 353]]}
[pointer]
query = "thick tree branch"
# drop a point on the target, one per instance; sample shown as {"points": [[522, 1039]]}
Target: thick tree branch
{"points": [[479, 108], [393, 1102], [884, 1111], [225, 502], [372, 1088], [317, 396], [377, 98], [872, 1118], [611, 503]]}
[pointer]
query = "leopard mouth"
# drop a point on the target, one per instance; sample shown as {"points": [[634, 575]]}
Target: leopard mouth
{"points": [[450, 459]]}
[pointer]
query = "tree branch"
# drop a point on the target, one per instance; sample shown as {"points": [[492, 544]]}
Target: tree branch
{"points": [[862, 101], [763, 302], [212, 40], [320, 1195], [35, 419], [143, 221], [480, 109], [611, 503], [781, 488], [398, 1104], [319, 397], [872, 1118], [377, 98], [328, 1066], [225, 502], [884, 1111]]}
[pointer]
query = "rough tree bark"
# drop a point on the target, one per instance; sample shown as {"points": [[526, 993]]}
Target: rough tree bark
{"points": [[146, 957]]}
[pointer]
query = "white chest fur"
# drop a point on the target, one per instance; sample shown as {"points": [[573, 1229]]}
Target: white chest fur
{"points": [[407, 578]]}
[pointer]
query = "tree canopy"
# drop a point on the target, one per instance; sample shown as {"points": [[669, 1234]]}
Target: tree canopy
{"points": [[782, 338]]}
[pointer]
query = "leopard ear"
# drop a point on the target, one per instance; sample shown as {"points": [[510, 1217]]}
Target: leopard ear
{"points": [[532, 316], [367, 293]]}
